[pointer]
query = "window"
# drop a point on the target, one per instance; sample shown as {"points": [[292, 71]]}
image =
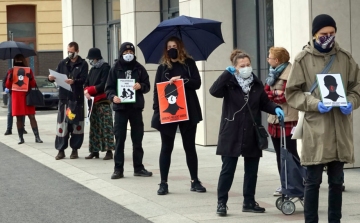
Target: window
{"points": [[169, 9]]}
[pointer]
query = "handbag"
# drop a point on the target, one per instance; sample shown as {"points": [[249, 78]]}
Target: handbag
{"points": [[260, 132], [34, 97], [298, 133]]}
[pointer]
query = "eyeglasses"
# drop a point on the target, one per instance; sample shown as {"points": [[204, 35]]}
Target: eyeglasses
{"points": [[271, 58]]}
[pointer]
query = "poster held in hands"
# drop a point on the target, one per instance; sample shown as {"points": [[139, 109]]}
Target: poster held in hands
{"points": [[332, 90], [125, 90]]}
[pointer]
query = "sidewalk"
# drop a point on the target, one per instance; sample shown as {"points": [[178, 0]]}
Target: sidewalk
{"points": [[180, 205]]}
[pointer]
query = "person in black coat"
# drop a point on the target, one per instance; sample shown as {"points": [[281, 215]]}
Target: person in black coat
{"points": [[175, 65], [239, 86], [126, 67], [70, 119], [101, 137]]}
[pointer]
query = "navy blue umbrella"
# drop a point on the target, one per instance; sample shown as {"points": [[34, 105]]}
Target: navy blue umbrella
{"points": [[200, 37], [9, 49]]}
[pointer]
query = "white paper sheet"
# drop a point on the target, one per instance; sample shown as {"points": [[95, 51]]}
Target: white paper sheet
{"points": [[88, 105], [60, 79]]}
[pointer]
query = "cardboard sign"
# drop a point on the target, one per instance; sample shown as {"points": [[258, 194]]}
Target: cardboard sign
{"points": [[20, 79], [172, 102], [125, 90], [332, 90]]}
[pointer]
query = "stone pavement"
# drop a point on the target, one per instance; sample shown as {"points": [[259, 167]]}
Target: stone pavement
{"points": [[180, 205]]}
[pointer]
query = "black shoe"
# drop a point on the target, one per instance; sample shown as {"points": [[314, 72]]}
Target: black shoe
{"points": [[163, 189], [8, 132], [196, 186], [117, 175], [25, 132], [253, 207], [221, 209], [143, 173]]}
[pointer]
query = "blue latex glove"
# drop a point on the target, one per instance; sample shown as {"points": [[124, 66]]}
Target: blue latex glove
{"points": [[280, 113], [322, 108], [346, 110], [7, 91], [231, 69]]}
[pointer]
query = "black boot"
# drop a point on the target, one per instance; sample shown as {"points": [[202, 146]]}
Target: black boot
{"points": [[8, 132], [74, 154], [37, 137], [21, 133]]}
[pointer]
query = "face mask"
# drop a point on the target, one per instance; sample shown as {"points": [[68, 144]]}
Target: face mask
{"points": [[326, 42], [245, 72], [171, 99], [128, 57], [91, 62], [72, 55], [172, 53]]}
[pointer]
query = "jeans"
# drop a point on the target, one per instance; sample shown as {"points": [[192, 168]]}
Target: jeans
{"points": [[226, 178], [122, 118], [312, 185]]}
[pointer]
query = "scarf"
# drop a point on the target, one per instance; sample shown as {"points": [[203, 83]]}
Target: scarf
{"points": [[275, 73], [99, 63], [245, 83]]}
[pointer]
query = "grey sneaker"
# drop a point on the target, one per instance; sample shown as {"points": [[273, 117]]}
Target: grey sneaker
{"points": [[277, 193]]}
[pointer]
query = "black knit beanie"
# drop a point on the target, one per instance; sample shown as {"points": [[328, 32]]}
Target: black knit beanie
{"points": [[126, 46], [322, 21]]}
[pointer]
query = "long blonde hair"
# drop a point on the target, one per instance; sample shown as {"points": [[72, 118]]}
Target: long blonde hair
{"points": [[182, 54]]}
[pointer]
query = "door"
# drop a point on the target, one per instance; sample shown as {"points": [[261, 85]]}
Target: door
{"points": [[114, 42]]}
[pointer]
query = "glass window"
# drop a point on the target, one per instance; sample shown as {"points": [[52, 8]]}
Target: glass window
{"points": [[21, 30], [169, 9], [100, 11]]}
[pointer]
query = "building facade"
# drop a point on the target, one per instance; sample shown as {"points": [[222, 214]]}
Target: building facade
{"points": [[37, 23], [251, 25]]}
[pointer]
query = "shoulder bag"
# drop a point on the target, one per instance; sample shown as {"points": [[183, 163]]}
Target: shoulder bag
{"points": [[260, 132], [34, 97]]}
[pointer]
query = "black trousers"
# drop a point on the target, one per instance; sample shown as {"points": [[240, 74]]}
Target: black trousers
{"points": [[312, 185], [290, 146], [251, 165], [137, 132], [167, 145]]}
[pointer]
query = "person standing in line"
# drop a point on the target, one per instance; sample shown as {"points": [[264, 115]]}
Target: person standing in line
{"points": [[241, 90], [19, 108], [9, 110], [70, 119], [127, 67], [101, 137], [275, 89], [177, 64], [327, 132]]}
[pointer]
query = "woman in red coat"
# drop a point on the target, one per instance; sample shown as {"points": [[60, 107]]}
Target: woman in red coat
{"points": [[20, 82]]}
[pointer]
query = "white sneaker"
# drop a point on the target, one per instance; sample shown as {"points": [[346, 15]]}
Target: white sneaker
{"points": [[277, 192]]}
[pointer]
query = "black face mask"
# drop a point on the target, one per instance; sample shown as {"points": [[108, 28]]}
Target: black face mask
{"points": [[172, 53]]}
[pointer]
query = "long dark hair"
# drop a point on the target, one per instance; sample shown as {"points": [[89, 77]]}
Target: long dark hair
{"points": [[19, 57]]}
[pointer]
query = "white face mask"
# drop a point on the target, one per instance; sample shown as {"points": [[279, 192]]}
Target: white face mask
{"points": [[72, 55], [245, 72], [171, 99], [128, 57]]}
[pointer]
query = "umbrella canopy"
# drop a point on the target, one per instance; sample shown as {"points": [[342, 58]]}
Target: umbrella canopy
{"points": [[9, 49], [200, 37]]}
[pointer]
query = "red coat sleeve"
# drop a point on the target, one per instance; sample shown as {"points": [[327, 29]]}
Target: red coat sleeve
{"points": [[8, 81], [32, 79]]}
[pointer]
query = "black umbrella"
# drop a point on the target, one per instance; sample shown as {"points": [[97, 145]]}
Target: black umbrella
{"points": [[200, 37], [9, 49]]}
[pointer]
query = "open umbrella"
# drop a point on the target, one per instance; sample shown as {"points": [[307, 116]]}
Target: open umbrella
{"points": [[9, 49], [200, 37]]}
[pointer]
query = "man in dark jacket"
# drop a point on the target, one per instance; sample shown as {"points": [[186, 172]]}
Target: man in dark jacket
{"points": [[71, 103], [126, 67]]}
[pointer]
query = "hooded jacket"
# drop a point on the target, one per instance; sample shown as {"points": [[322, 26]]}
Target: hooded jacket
{"points": [[326, 137]]}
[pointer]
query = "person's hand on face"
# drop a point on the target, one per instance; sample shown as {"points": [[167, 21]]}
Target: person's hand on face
{"points": [[116, 100]]}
